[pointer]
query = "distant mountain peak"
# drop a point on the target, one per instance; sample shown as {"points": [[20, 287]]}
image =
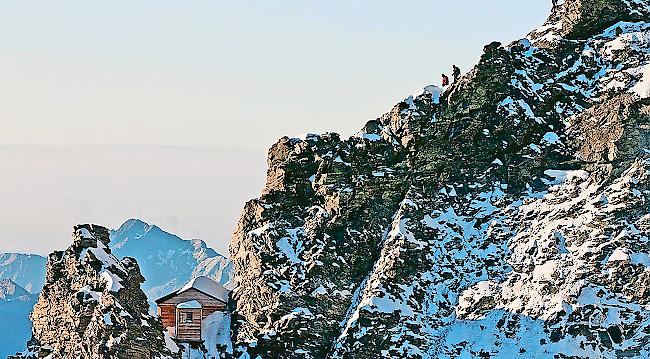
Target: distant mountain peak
{"points": [[166, 260], [26, 270]]}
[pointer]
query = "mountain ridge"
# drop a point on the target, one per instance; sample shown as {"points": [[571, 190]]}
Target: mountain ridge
{"points": [[401, 240], [19, 267], [166, 260], [503, 216]]}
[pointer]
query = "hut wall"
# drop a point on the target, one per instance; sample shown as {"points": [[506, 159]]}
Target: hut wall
{"points": [[189, 331]]}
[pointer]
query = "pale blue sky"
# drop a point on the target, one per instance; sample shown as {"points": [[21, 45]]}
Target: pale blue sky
{"points": [[232, 75], [229, 73]]}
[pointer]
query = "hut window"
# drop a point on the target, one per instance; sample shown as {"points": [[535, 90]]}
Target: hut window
{"points": [[186, 318]]}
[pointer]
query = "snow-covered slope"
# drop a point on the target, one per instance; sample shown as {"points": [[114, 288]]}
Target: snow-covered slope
{"points": [[507, 216], [15, 327], [26, 270], [166, 260]]}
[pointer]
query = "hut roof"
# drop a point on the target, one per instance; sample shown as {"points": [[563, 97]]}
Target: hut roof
{"points": [[202, 284], [192, 304]]}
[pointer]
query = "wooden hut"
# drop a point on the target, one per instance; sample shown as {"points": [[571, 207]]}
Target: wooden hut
{"points": [[183, 311]]}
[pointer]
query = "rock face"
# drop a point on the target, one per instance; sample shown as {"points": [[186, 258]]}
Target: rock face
{"points": [[92, 306], [506, 216]]}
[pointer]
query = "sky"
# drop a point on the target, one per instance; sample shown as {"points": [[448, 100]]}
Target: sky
{"points": [[164, 109]]}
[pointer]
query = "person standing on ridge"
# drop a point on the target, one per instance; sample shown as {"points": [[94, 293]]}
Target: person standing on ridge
{"points": [[456, 73], [445, 80], [554, 3]]}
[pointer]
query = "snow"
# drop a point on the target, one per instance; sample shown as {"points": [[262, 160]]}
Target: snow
{"points": [[433, 91], [207, 286], [551, 137], [297, 313], [216, 331], [192, 304], [88, 292], [319, 291], [306, 136], [619, 255], [535, 148], [640, 259], [562, 176], [642, 88], [170, 343], [109, 265], [113, 282], [258, 231], [291, 246], [84, 233], [369, 136]]}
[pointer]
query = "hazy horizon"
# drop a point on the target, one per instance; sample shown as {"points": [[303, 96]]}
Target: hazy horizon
{"points": [[190, 192], [165, 111]]}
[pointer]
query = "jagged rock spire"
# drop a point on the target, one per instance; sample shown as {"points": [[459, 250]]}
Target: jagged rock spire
{"points": [[92, 306]]}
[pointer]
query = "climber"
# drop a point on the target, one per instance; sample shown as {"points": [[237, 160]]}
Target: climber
{"points": [[445, 80], [456, 73], [554, 3]]}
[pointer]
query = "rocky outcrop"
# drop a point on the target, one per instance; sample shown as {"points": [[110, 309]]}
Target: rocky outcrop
{"points": [[504, 217], [92, 306]]}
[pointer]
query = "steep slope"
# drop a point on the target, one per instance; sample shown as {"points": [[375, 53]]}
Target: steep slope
{"points": [[506, 217], [92, 306], [26, 270], [15, 328], [166, 260]]}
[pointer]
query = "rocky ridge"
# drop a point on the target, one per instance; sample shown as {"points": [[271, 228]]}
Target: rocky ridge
{"points": [[504, 217], [92, 306]]}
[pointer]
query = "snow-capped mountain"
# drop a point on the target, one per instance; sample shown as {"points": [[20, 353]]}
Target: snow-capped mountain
{"points": [[26, 270], [166, 260], [505, 216], [15, 327]]}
